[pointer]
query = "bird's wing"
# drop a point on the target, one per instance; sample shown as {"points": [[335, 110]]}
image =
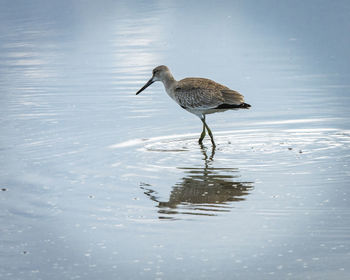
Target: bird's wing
{"points": [[232, 97], [198, 93]]}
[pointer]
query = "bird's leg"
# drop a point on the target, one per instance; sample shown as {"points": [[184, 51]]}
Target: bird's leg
{"points": [[209, 131], [211, 135], [202, 134]]}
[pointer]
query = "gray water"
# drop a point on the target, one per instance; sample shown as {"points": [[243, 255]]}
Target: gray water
{"points": [[98, 183]]}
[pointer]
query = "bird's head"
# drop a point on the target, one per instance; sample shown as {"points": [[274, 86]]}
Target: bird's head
{"points": [[158, 74]]}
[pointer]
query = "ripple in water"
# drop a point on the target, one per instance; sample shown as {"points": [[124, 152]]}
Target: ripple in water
{"points": [[209, 185]]}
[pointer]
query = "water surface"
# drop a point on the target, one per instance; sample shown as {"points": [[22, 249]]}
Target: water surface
{"points": [[97, 183]]}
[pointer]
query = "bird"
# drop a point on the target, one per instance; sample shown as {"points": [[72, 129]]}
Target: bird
{"points": [[199, 96]]}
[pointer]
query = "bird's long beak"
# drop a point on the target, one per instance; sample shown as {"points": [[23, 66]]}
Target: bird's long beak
{"points": [[146, 85]]}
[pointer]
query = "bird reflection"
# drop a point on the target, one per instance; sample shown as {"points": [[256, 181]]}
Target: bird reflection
{"points": [[202, 191]]}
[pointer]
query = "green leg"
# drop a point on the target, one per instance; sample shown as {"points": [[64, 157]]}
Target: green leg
{"points": [[202, 135], [211, 135], [209, 131]]}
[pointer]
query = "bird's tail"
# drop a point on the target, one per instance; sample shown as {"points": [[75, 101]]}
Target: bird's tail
{"points": [[234, 106], [245, 106]]}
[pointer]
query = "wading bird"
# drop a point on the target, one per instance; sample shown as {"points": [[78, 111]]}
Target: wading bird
{"points": [[198, 96]]}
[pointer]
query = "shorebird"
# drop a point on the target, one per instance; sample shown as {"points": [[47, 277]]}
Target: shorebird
{"points": [[198, 96]]}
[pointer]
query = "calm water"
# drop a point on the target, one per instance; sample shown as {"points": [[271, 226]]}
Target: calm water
{"points": [[97, 183]]}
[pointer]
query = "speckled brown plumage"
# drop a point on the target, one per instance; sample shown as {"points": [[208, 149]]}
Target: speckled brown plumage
{"points": [[200, 93], [199, 96]]}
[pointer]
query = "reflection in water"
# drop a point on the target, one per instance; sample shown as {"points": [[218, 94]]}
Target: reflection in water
{"points": [[202, 191]]}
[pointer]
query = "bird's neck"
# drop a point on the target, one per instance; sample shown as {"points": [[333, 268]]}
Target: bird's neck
{"points": [[168, 81]]}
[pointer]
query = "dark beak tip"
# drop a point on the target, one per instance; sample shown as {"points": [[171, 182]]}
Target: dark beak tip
{"points": [[146, 85]]}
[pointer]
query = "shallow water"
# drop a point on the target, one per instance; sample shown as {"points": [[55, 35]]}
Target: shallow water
{"points": [[98, 183]]}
